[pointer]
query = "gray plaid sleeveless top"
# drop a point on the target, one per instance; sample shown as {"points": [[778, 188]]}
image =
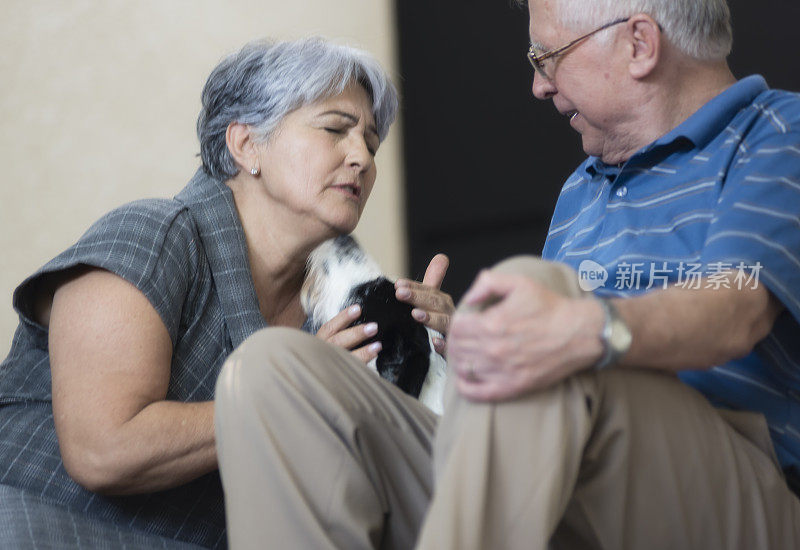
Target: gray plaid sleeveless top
{"points": [[189, 258]]}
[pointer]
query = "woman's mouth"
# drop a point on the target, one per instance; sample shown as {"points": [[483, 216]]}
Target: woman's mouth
{"points": [[350, 189]]}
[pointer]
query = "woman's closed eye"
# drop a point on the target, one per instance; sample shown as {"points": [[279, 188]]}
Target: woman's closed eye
{"points": [[341, 131]]}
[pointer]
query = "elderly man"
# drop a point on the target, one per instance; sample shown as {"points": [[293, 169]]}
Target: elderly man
{"points": [[684, 219], [566, 424]]}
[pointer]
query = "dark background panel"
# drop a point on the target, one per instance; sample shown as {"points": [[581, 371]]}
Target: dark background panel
{"points": [[484, 159], [766, 40]]}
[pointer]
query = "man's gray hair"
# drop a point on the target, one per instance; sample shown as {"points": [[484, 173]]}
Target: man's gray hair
{"points": [[264, 81], [699, 28]]}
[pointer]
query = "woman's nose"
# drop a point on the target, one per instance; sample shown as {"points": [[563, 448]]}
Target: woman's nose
{"points": [[358, 154]]}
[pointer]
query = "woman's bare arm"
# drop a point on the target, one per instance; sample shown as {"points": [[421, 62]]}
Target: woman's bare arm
{"points": [[110, 356]]}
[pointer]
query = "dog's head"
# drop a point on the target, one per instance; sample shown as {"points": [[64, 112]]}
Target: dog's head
{"points": [[333, 269]]}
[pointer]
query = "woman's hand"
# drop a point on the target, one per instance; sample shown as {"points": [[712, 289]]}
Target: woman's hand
{"points": [[338, 332], [432, 307]]}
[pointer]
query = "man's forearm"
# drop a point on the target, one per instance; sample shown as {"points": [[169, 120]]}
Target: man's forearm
{"points": [[677, 329]]}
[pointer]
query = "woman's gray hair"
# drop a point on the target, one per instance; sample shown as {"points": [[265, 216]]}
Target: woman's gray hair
{"points": [[699, 28], [264, 81]]}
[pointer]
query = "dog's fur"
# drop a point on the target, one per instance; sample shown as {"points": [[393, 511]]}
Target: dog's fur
{"points": [[340, 274]]}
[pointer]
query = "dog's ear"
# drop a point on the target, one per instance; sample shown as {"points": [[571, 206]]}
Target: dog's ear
{"points": [[314, 284], [311, 295], [332, 270]]}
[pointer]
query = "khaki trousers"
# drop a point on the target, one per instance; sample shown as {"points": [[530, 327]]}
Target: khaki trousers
{"points": [[316, 451]]}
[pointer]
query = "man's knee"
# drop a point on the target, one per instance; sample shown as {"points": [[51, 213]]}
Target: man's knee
{"points": [[556, 276]]}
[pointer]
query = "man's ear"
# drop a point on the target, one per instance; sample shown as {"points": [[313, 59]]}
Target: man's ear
{"points": [[645, 45], [242, 147]]}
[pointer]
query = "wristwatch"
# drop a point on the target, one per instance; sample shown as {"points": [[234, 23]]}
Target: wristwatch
{"points": [[616, 336]]}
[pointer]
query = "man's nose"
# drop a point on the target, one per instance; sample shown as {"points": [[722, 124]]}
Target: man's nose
{"points": [[543, 87]]}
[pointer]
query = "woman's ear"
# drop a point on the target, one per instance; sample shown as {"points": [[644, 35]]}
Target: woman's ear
{"points": [[645, 45], [243, 148]]}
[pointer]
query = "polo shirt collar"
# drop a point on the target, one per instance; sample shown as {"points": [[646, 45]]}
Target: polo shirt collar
{"points": [[713, 117], [212, 206], [702, 126]]}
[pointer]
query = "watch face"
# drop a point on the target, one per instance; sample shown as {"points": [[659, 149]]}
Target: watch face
{"points": [[620, 339], [616, 335]]}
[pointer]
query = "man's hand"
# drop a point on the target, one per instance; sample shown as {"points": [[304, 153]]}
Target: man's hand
{"points": [[512, 335]]}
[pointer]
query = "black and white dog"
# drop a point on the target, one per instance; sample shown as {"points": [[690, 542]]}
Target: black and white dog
{"points": [[340, 274]]}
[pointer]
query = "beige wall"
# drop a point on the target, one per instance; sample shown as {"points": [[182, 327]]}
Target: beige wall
{"points": [[98, 101]]}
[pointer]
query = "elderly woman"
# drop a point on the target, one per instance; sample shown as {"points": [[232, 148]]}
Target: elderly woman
{"points": [[106, 418]]}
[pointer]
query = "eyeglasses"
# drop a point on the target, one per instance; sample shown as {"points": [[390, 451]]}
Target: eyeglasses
{"points": [[538, 59]]}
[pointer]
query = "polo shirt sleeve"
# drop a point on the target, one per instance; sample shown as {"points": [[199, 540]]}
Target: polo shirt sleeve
{"points": [[757, 219], [150, 243]]}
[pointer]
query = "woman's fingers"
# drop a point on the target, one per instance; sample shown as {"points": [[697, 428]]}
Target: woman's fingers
{"points": [[439, 345], [440, 322], [368, 353], [436, 271], [423, 296], [432, 307], [338, 332], [342, 320], [351, 337]]}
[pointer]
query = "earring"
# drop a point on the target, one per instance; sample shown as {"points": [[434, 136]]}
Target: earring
{"points": [[255, 171]]}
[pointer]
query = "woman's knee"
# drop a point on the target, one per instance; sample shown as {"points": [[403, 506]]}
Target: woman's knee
{"points": [[274, 345], [291, 361], [264, 359]]}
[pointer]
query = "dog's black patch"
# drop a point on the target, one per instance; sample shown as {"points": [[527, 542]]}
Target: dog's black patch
{"points": [[405, 355], [347, 250]]}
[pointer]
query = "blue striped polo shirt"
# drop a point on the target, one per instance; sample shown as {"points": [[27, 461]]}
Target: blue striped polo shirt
{"points": [[719, 193]]}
